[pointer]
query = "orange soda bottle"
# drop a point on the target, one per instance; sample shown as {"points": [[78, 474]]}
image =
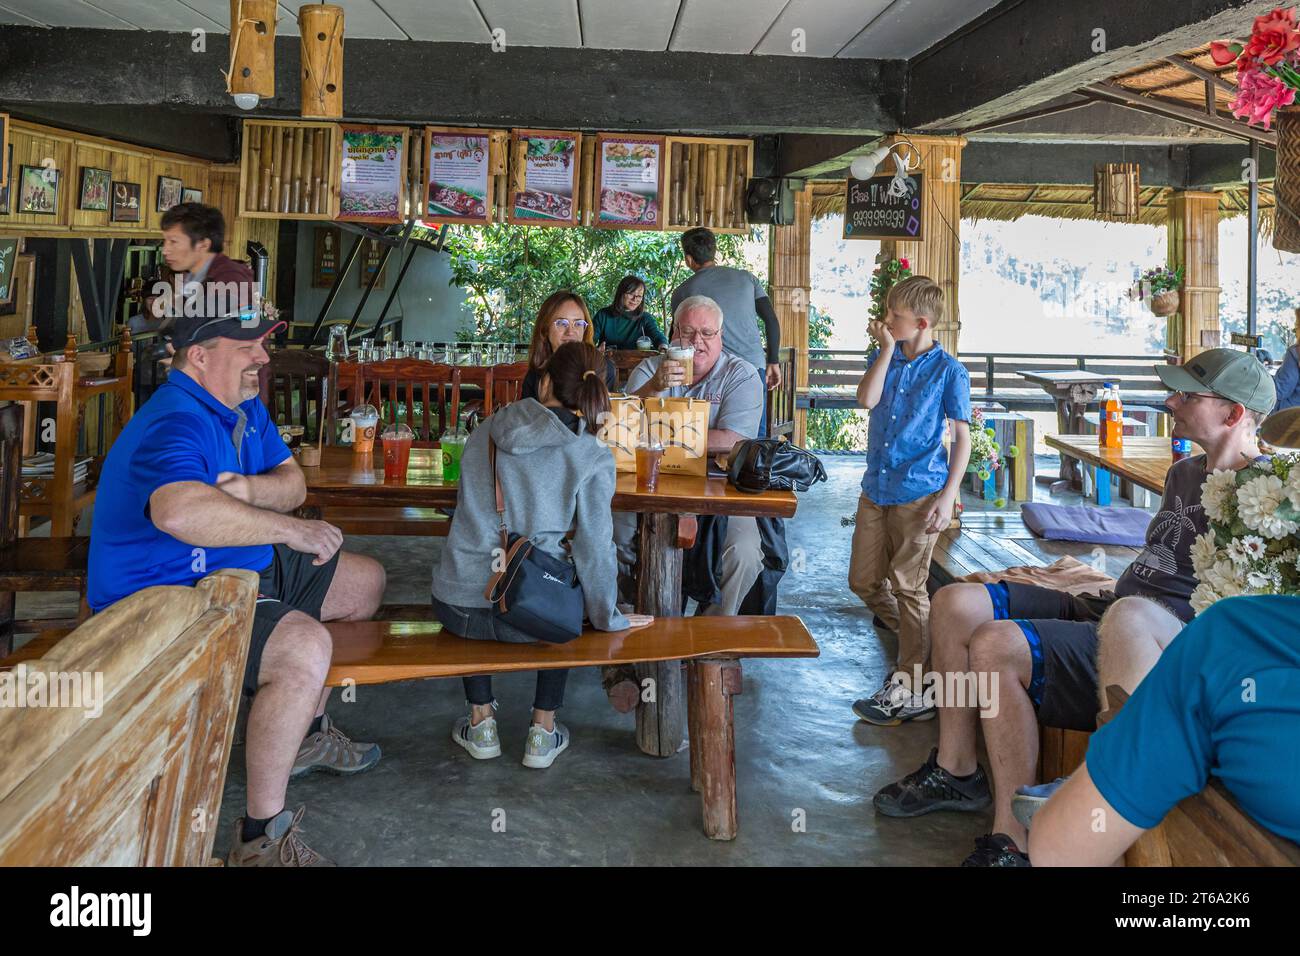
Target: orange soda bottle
{"points": [[1112, 418]]}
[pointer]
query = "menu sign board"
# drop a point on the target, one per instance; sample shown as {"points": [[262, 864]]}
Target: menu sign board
{"points": [[459, 186], [872, 210], [544, 186], [373, 175], [629, 183]]}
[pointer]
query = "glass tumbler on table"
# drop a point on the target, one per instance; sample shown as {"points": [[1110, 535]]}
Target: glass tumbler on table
{"points": [[649, 453], [397, 451]]}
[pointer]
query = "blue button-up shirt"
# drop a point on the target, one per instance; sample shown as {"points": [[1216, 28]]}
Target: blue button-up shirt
{"points": [[181, 434], [1287, 380], [906, 459]]}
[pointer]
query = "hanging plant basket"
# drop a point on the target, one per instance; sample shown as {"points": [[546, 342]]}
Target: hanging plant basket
{"points": [[1286, 231], [1166, 303]]}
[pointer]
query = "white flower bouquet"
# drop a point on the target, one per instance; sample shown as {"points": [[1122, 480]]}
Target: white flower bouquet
{"points": [[1253, 543]]}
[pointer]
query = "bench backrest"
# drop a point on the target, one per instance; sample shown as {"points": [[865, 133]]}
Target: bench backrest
{"points": [[294, 385], [141, 783]]}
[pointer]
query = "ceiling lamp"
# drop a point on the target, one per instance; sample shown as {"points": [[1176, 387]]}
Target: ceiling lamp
{"points": [[1117, 192], [252, 52]]}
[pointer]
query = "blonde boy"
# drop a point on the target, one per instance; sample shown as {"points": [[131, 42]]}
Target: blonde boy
{"points": [[912, 386]]}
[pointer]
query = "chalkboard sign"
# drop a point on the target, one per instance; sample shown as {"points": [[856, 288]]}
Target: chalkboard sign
{"points": [[871, 212], [8, 262]]}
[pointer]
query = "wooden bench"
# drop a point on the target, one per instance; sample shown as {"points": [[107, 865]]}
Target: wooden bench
{"points": [[376, 652], [141, 784]]}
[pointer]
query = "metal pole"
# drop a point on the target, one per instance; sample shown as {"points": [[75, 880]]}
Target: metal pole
{"points": [[334, 289], [370, 287], [1252, 253]]}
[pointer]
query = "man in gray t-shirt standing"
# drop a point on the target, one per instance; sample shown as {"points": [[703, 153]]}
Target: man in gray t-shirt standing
{"points": [[740, 296]]}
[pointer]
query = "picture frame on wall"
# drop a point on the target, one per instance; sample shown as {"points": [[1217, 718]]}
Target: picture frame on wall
{"points": [[372, 256], [7, 181], [9, 249], [372, 173], [191, 195], [169, 192], [38, 190], [96, 184], [544, 177], [458, 185], [325, 259], [629, 181], [126, 202]]}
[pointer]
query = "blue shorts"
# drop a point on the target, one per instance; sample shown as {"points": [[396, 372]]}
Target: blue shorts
{"points": [[1061, 631]]}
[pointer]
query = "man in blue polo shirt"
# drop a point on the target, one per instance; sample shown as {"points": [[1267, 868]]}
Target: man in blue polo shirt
{"points": [[1223, 700], [200, 481]]}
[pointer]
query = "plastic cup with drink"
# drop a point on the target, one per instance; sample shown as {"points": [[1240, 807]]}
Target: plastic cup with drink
{"points": [[397, 451], [685, 354], [365, 418], [452, 445], [649, 453]]}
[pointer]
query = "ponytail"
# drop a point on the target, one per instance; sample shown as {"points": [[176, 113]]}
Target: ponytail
{"points": [[577, 373]]}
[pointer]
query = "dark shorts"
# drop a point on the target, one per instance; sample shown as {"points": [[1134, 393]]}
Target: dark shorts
{"points": [[1061, 630], [291, 583]]}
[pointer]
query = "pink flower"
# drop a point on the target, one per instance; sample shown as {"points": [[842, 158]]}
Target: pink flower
{"points": [[1258, 95], [1224, 53], [1273, 36], [904, 263]]}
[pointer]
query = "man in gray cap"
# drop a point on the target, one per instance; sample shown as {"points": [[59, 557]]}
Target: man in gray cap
{"points": [[1041, 646]]}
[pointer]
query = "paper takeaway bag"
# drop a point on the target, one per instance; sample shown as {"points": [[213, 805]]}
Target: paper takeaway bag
{"points": [[682, 425], [622, 431]]}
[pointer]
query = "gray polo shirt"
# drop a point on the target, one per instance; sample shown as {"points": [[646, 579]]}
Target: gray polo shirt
{"points": [[732, 388], [735, 291]]}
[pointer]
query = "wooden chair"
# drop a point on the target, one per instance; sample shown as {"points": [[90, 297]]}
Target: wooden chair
{"points": [[375, 652], [294, 388], [59, 497], [400, 387], [141, 784], [508, 383], [30, 564]]}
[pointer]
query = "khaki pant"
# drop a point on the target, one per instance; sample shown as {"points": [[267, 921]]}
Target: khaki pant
{"points": [[888, 568]]}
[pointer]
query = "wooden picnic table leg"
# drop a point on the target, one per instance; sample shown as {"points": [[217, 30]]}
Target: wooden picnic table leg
{"points": [[713, 684], [660, 722]]}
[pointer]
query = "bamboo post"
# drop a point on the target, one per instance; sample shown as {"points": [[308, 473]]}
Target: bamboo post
{"points": [[676, 167], [697, 184], [295, 165], [739, 186], [710, 185], [324, 156], [691, 204], [252, 48], [253, 164], [518, 170], [589, 198], [309, 171], [321, 29], [278, 183], [266, 194], [727, 162]]}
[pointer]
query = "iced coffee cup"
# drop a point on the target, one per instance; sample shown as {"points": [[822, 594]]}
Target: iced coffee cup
{"points": [[685, 354], [365, 418], [649, 453]]}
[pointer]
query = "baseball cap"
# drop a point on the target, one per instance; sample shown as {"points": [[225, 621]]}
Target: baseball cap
{"points": [[245, 326], [1236, 376], [1282, 428]]}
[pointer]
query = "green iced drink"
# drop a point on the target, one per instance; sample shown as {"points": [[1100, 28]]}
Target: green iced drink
{"points": [[452, 445]]}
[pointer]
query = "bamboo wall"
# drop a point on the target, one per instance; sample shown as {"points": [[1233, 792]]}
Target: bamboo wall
{"points": [[224, 194], [938, 255], [791, 285], [1194, 244]]}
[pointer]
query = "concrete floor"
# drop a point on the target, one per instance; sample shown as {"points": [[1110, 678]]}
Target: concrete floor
{"points": [[806, 767]]}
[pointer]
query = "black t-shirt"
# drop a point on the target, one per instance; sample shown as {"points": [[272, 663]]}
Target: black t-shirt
{"points": [[534, 378]]}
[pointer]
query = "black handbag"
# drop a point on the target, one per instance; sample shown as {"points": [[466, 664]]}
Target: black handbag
{"points": [[762, 464], [534, 591]]}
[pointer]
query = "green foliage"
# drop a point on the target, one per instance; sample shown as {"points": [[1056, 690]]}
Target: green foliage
{"points": [[508, 271], [831, 429]]}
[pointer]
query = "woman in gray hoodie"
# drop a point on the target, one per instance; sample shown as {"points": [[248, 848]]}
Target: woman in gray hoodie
{"points": [[555, 475]]}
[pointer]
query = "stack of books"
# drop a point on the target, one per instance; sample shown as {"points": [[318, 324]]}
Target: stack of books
{"points": [[42, 466]]}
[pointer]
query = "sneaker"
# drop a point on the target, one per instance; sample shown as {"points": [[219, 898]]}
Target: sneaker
{"points": [[996, 849], [933, 788], [544, 745], [892, 705], [281, 845], [329, 749], [479, 739], [1029, 800]]}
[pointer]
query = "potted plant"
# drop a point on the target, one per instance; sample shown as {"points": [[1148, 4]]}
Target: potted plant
{"points": [[1268, 76], [1158, 288]]}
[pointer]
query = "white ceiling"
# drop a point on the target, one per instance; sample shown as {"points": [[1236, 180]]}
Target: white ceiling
{"points": [[876, 29]]}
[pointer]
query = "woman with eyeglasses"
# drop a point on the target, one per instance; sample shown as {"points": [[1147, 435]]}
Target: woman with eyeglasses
{"points": [[623, 321], [562, 318]]}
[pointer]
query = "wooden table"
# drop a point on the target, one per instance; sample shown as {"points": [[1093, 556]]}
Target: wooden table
{"points": [[1073, 390], [667, 527], [1142, 460]]}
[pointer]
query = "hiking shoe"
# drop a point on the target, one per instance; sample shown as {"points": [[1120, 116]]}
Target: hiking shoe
{"points": [[544, 745], [892, 705], [281, 845], [330, 750], [1029, 800], [480, 739], [996, 849], [933, 788]]}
